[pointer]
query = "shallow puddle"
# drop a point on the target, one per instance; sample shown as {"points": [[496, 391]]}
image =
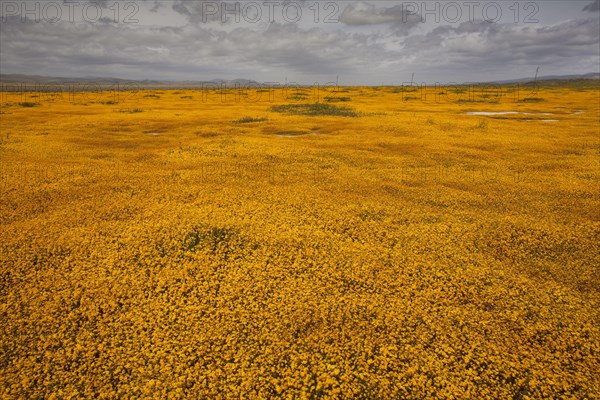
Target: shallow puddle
{"points": [[491, 113], [289, 134], [505, 113]]}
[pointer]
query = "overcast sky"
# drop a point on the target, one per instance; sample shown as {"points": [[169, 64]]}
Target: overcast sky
{"points": [[304, 41]]}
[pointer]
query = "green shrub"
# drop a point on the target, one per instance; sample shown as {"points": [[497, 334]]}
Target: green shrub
{"points": [[247, 120], [316, 109]]}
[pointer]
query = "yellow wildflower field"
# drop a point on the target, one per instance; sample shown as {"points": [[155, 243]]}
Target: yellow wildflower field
{"points": [[359, 242]]}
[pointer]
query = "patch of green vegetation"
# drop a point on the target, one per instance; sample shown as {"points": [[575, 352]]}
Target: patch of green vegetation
{"points": [[29, 104], [207, 134], [371, 215], [132, 110], [332, 99], [153, 96], [531, 100], [493, 101], [218, 240], [247, 120], [315, 109], [298, 97]]}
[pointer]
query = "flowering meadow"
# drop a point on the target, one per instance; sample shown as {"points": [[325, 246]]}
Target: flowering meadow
{"points": [[346, 243]]}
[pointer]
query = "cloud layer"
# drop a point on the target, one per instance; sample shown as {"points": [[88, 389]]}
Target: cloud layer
{"points": [[370, 43]]}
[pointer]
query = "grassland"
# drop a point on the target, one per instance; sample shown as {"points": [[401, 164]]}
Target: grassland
{"points": [[392, 244]]}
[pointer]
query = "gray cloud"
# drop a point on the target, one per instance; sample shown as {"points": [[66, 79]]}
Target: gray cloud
{"points": [[369, 45], [193, 47], [593, 6], [367, 14], [227, 12], [200, 11], [482, 46], [400, 19]]}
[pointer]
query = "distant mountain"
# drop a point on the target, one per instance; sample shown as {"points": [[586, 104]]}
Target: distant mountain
{"points": [[591, 75], [32, 79], [47, 80], [147, 83]]}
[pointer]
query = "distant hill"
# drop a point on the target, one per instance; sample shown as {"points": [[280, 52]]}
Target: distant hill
{"points": [[53, 80], [19, 78], [50, 80], [591, 75]]}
